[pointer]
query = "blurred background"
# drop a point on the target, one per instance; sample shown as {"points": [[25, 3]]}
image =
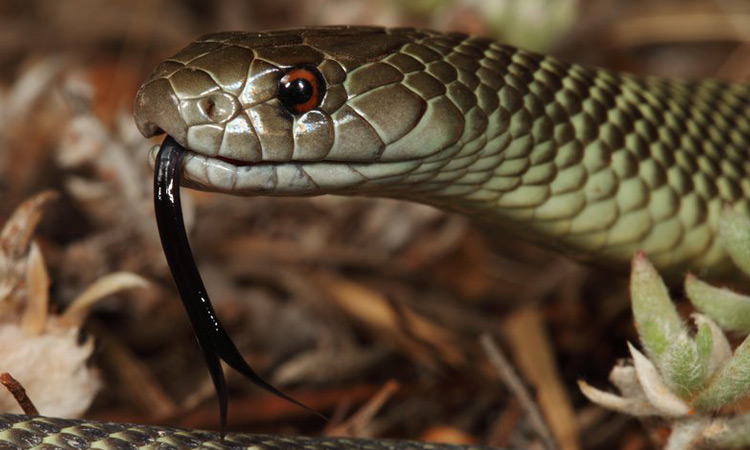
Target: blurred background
{"points": [[369, 311]]}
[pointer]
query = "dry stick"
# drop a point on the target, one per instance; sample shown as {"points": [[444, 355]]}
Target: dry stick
{"points": [[515, 385], [677, 27], [736, 64], [140, 385], [362, 418], [534, 358], [19, 393]]}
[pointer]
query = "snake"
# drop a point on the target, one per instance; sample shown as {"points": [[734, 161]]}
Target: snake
{"points": [[593, 163], [590, 162]]}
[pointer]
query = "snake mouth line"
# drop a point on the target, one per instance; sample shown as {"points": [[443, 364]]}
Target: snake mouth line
{"points": [[240, 163], [282, 178], [235, 162]]}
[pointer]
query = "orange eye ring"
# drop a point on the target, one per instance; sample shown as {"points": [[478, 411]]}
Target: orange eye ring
{"points": [[301, 89]]}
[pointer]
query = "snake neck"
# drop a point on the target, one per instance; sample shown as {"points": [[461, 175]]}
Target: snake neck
{"points": [[590, 161]]}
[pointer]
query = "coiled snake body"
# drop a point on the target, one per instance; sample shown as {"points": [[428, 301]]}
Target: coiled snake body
{"points": [[46, 433], [596, 163]]}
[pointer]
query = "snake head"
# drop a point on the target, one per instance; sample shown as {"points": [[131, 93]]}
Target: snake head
{"points": [[309, 111]]}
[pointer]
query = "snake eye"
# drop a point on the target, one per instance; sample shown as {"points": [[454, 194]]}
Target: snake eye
{"points": [[301, 89]]}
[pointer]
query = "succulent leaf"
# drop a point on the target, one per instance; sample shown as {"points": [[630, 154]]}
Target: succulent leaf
{"points": [[656, 318], [720, 351], [625, 405], [658, 393], [682, 366], [734, 230], [729, 309], [729, 384]]}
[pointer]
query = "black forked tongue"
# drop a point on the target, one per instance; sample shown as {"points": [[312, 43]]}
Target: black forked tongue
{"points": [[212, 338]]}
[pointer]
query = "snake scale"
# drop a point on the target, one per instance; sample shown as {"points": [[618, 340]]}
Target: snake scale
{"points": [[595, 163]]}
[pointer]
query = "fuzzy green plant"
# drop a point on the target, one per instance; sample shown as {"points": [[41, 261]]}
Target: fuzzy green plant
{"points": [[688, 376]]}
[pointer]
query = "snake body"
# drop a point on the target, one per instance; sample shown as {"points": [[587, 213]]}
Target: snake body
{"points": [[595, 163], [45, 433]]}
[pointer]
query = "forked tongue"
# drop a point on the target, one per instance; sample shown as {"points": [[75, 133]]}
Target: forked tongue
{"points": [[213, 340]]}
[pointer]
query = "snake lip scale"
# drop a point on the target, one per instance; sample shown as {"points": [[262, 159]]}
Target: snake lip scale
{"points": [[212, 173]]}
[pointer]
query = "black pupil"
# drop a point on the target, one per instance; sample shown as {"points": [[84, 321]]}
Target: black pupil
{"points": [[296, 92]]}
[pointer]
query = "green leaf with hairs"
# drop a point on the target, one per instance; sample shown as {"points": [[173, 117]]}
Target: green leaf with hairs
{"points": [[684, 365], [656, 318], [729, 384], [727, 308], [704, 339], [734, 229], [720, 351]]}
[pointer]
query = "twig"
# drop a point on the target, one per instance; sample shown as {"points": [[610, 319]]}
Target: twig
{"points": [[678, 27], [19, 393], [362, 418], [533, 354], [141, 386], [514, 383], [736, 65]]}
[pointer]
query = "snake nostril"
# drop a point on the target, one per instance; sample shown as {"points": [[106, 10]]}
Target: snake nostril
{"points": [[210, 108], [217, 108]]}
